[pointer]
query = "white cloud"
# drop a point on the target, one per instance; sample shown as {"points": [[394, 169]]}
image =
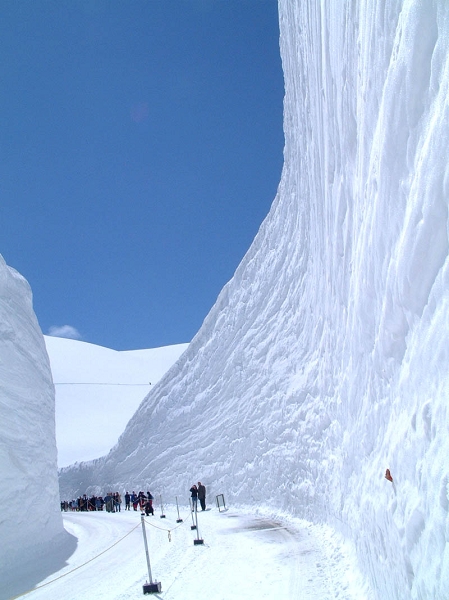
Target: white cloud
{"points": [[64, 331]]}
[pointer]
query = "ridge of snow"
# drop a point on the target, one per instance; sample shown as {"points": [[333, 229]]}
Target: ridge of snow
{"points": [[30, 517], [324, 360]]}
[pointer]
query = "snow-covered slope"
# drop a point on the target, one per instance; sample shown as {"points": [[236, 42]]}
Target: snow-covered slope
{"points": [[30, 517], [91, 383], [324, 360]]}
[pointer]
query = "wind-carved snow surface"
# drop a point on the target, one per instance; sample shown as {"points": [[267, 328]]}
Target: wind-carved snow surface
{"points": [[30, 516], [325, 359]]}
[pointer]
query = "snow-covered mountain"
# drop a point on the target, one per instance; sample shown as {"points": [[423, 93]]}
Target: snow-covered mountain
{"points": [[324, 360], [30, 517], [93, 383]]}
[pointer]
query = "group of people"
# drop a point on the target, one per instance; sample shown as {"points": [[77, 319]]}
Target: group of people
{"points": [[198, 492], [140, 500], [112, 502]]}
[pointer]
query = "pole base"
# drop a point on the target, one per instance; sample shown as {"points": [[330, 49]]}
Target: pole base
{"points": [[198, 542], [162, 516], [192, 527], [152, 588], [179, 520]]}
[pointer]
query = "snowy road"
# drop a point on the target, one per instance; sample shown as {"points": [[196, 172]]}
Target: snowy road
{"points": [[244, 556]]}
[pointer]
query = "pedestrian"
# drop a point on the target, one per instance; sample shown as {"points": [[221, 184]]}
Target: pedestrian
{"points": [[149, 505], [127, 499], [194, 496], [108, 500], [202, 495]]}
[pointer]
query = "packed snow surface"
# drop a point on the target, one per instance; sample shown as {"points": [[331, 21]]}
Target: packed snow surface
{"points": [[244, 556], [92, 382], [325, 359]]}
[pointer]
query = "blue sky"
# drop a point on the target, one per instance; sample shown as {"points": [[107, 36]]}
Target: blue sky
{"points": [[140, 149]]}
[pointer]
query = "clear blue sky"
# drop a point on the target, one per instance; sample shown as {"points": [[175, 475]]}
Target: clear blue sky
{"points": [[140, 149]]}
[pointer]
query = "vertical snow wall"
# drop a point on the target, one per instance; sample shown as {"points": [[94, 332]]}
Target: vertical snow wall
{"points": [[325, 360], [30, 516]]}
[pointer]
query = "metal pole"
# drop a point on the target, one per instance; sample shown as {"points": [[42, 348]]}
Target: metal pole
{"points": [[146, 545], [198, 540], [192, 526], [196, 521], [179, 520]]}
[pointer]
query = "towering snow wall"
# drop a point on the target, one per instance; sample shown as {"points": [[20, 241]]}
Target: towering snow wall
{"points": [[325, 359], [30, 517]]}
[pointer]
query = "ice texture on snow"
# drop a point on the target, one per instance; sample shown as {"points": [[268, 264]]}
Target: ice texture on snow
{"points": [[30, 517], [325, 359]]}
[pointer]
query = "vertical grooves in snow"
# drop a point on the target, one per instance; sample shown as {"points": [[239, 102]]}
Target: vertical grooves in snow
{"points": [[324, 360]]}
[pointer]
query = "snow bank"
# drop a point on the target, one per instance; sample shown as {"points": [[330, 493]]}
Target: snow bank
{"points": [[324, 360], [30, 517], [91, 381]]}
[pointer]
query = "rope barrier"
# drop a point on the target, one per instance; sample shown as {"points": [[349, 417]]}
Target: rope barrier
{"points": [[169, 531], [38, 587]]}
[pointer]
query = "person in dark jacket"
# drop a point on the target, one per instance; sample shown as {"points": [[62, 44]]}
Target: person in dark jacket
{"points": [[142, 498], [194, 496], [202, 495], [127, 500], [149, 505], [109, 502]]}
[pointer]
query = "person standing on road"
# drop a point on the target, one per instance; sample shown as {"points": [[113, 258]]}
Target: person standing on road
{"points": [[149, 504], [202, 495], [194, 493]]}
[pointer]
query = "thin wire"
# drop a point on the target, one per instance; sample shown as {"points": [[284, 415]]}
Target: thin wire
{"points": [[85, 383]]}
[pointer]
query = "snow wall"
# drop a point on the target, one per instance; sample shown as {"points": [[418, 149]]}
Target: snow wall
{"points": [[325, 359], [30, 516]]}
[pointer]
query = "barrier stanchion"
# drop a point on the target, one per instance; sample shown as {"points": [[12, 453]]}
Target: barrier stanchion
{"points": [[198, 540], [192, 526], [154, 586], [178, 520]]}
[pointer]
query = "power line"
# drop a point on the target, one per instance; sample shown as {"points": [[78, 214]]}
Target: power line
{"points": [[85, 383]]}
